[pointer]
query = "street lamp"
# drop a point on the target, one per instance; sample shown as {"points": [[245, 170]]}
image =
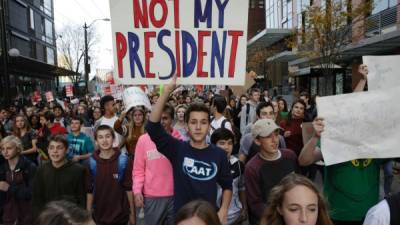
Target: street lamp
{"points": [[87, 66]]}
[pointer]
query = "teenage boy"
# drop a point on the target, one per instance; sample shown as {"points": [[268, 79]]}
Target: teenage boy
{"points": [[218, 106], [248, 112], [107, 105], [197, 166], [80, 145], [110, 182], [237, 212], [59, 179], [248, 148], [267, 168], [153, 183]]}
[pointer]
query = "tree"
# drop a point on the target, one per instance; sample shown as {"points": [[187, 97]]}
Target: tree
{"points": [[327, 30], [71, 50]]}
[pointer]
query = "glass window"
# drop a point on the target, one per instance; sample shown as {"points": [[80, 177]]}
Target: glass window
{"points": [[31, 19], [314, 85], [284, 10], [49, 31], [47, 7], [50, 55], [339, 83]]}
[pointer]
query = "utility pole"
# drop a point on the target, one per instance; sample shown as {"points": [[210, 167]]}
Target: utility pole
{"points": [[4, 52], [87, 66]]}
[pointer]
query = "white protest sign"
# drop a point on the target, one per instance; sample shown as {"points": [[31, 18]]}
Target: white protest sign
{"points": [[202, 41], [383, 71], [134, 96], [360, 125], [49, 96], [69, 91]]}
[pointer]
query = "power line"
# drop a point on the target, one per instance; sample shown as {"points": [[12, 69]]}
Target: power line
{"points": [[97, 7]]}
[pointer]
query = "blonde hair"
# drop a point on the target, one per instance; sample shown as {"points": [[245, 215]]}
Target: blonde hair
{"points": [[14, 140]]}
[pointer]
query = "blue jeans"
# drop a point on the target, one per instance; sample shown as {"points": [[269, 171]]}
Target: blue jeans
{"points": [[388, 177]]}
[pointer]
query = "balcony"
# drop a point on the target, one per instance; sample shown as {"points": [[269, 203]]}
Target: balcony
{"points": [[381, 23]]}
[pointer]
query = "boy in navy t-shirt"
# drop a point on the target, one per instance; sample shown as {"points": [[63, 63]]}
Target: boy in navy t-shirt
{"points": [[197, 166]]}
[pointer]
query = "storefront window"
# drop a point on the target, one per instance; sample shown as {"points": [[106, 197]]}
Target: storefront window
{"points": [[339, 83]]}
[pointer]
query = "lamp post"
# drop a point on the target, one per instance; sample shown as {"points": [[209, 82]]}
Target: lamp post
{"points": [[86, 61]]}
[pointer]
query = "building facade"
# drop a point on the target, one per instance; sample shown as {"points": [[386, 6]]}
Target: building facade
{"points": [[378, 33], [29, 55]]}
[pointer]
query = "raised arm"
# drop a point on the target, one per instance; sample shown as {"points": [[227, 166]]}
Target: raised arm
{"points": [[363, 70], [309, 154], [155, 115]]}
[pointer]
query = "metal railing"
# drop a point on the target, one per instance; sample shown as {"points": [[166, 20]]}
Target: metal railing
{"points": [[384, 19]]}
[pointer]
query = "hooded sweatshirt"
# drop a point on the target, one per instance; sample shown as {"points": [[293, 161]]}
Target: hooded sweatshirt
{"points": [[65, 183], [18, 207], [110, 200], [152, 171]]}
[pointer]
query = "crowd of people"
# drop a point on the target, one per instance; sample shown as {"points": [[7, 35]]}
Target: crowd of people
{"points": [[197, 157]]}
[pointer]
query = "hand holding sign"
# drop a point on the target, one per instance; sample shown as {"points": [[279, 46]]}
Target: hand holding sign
{"points": [[363, 70], [319, 126]]}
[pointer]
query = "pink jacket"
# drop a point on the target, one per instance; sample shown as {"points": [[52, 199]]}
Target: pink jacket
{"points": [[152, 172]]}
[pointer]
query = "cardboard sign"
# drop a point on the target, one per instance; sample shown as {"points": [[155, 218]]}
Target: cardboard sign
{"points": [[360, 125], [382, 71], [69, 91], [202, 41], [134, 96], [49, 96]]}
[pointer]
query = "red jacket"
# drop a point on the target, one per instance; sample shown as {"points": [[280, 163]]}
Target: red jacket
{"points": [[57, 129]]}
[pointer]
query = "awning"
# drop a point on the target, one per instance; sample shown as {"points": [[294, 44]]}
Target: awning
{"points": [[266, 38], [377, 45], [285, 56], [307, 70], [29, 67]]}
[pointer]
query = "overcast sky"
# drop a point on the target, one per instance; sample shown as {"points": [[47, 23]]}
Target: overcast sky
{"points": [[81, 11]]}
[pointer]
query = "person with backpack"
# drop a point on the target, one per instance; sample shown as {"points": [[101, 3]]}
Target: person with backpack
{"points": [[110, 181], [59, 179], [218, 106], [16, 175], [248, 113], [237, 211]]}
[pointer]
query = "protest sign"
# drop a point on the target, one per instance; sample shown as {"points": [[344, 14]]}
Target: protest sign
{"points": [[383, 71], [134, 96], [36, 97], [49, 96], [202, 41], [107, 89], [360, 125], [69, 91]]}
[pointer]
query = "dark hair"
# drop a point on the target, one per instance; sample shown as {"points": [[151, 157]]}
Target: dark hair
{"points": [[196, 107], [221, 134], [105, 99], [254, 90], [169, 109], [201, 209], [104, 127], [263, 105], [290, 117], [305, 94], [57, 106], [285, 109], [60, 139], [63, 213], [49, 116], [77, 118], [220, 103]]}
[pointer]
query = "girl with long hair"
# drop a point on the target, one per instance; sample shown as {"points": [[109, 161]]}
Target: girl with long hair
{"points": [[292, 127], [23, 131], [295, 200], [282, 110], [132, 128]]}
